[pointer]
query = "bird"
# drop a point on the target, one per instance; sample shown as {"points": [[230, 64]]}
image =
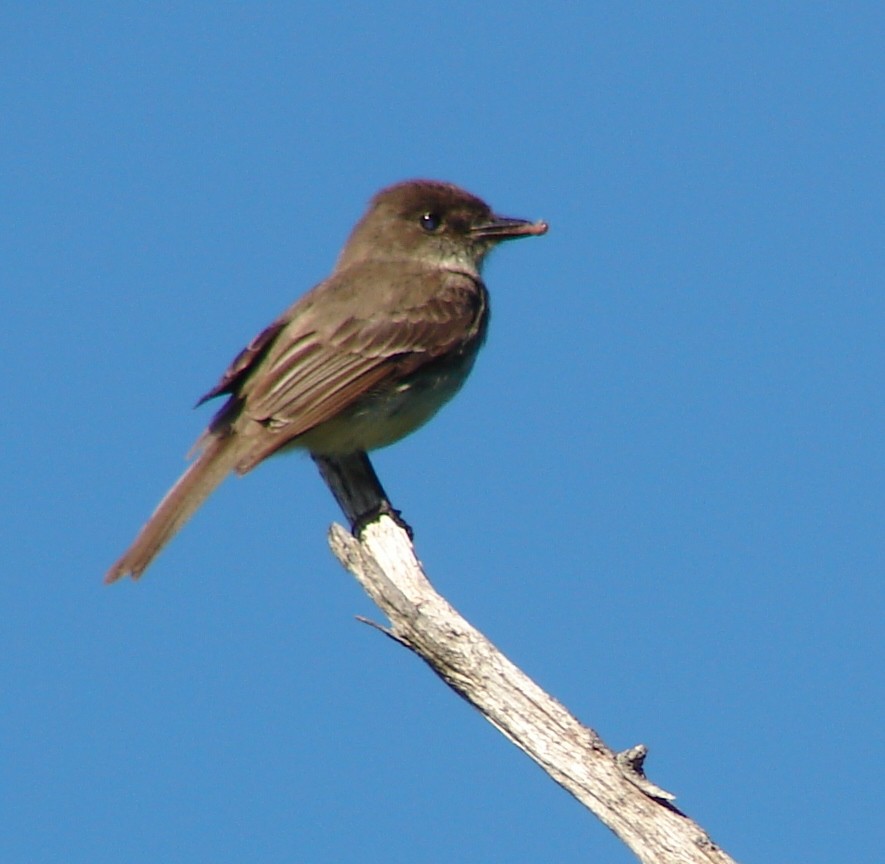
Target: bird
{"points": [[362, 359]]}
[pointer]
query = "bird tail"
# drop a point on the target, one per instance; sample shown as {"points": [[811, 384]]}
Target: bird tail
{"points": [[179, 504]]}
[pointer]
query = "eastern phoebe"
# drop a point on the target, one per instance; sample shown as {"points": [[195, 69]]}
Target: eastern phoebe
{"points": [[362, 359]]}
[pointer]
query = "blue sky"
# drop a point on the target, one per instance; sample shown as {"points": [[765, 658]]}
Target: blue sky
{"points": [[660, 493]]}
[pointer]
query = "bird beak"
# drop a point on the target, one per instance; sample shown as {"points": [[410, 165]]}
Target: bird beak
{"points": [[502, 228]]}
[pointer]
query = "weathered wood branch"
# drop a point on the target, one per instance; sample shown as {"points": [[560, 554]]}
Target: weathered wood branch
{"points": [[611, 785]]}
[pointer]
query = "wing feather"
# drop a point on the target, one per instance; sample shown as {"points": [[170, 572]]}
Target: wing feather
{"points": [[310, 365]]}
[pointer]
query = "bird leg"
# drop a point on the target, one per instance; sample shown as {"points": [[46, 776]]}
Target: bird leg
{"points": [[357, 489]]}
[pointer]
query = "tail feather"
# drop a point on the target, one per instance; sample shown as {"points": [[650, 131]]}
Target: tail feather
{"points": [[179, 504]]}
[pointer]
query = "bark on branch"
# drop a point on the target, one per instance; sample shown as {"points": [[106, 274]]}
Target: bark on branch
{"points": [[611, 785]]}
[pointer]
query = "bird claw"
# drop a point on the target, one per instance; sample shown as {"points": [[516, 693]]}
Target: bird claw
{"points": [[384, 508]]}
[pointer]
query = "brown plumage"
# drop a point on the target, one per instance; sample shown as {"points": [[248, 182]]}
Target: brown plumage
{"points": [[362, 359]]}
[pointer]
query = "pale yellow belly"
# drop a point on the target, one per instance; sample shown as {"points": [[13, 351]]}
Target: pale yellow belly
{"points": [[387, 416]]}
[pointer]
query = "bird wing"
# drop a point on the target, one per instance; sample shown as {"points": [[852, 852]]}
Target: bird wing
{"points": [[314, 372], [320, 357], [243, 364]]}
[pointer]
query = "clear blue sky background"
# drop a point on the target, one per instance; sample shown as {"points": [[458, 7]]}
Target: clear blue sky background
{"points": [[661, 492]]}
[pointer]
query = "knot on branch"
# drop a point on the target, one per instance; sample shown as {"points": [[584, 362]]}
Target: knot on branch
{"points": [[630, 762]]}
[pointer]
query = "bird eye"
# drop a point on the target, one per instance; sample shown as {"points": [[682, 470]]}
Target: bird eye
{"points": [[430, 222]]}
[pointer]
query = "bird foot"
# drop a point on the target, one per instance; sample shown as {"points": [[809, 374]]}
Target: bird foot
{"points": [[384, 508]]}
